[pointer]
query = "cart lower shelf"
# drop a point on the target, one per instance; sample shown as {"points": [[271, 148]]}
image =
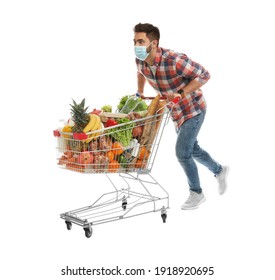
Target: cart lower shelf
{"points": [[117, 205]]}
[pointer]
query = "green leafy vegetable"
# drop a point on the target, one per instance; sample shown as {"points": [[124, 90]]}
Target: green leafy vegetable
{"points": [[107, 108], [122, 102], [123, 134], [142, 106], [137, 104]]}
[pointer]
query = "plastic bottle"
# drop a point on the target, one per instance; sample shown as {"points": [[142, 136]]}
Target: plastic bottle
{"points": [[131, 104]]}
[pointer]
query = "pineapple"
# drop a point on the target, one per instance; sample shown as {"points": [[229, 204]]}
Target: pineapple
{"points": [[80, 117], [79, 114]]}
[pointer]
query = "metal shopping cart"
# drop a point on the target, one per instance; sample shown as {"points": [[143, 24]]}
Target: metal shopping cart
{"points": [[102, 153]]}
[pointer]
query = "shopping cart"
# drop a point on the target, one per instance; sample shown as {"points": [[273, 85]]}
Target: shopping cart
{"points": [[102, 153]]}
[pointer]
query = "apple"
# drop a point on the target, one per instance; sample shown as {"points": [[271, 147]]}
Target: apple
{"points": [[96, 112], [85, 158]]}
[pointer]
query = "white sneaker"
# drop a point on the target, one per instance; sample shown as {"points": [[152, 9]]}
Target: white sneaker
{"points": [[194, 200], [222, 180]]}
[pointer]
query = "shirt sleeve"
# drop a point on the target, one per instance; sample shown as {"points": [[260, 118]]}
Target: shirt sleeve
{"points": [[192, 70]]}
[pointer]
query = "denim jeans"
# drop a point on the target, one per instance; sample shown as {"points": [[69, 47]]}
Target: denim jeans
{"points": [[188, 149]]}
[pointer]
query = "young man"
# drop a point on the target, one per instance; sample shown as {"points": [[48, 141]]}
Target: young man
{"points": [[174, 74]]}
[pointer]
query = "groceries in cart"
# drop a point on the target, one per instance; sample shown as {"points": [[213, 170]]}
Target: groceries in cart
{"points": [[103, 141], [132, 103]]}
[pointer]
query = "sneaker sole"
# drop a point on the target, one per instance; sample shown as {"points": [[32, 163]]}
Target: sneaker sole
{"points": [[194, 207], [225, 179]]}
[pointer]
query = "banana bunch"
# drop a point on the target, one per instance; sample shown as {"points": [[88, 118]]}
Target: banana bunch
{"points": [[94, 124]]}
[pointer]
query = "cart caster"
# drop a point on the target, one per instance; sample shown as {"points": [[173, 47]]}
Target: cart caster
{"points": [[163, 214], [88, 232], [69, 225], [124, 203]]}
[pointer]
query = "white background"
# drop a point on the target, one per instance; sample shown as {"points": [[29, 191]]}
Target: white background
{"points": [[53, 51]]}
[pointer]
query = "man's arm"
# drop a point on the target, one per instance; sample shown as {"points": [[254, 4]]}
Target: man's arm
{"points": [[190, 87], [192, 70], [140, 83]]}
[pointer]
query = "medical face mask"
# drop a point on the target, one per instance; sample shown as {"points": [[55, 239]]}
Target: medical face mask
{"points": [[141, 53]]}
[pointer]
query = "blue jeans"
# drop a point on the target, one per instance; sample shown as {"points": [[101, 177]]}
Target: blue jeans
{"points": [[188, 149]]}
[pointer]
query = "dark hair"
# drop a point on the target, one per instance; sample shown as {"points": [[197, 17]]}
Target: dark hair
{"points": [[152, 32]]}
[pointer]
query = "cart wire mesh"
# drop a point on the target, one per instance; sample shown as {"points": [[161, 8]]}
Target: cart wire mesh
{"points": [[101, 152]]}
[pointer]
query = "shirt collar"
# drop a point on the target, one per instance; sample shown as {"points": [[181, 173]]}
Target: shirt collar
{"points": [[158, 56]]}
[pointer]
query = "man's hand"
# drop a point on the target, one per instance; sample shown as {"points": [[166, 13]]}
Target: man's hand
{"points": [[172, 96], [139, 94]]}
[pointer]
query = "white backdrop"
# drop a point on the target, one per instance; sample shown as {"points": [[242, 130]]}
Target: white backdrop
{"points": [[53, 51]]}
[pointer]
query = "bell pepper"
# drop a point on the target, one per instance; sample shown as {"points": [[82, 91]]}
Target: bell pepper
{"points": [[80, 136], [111, 122]]}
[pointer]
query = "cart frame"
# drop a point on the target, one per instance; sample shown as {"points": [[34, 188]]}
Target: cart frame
{"points": [[121, 203]]}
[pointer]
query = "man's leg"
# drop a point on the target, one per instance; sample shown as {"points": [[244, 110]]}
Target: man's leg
{"points": [[187, 137]]}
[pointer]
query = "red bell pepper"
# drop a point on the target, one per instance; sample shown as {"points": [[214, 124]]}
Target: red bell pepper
{"points": [[111, 122], [80, 136]]}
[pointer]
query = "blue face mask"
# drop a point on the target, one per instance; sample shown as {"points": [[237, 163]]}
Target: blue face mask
{"points": [[141, 53]]}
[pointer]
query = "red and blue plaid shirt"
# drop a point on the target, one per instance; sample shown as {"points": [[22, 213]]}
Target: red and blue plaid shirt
{"points": [[170, 73]]}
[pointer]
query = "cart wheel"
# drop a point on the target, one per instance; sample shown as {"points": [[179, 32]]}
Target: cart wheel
{"points": [[164, 216], [88, 232], [69, 225], [124, 205]]}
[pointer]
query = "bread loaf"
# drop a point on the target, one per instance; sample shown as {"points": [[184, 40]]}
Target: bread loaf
{"points": [[151, 121], [155, 127]]}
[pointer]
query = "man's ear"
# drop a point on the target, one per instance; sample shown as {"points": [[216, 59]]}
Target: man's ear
{"points": [[155, 43]]}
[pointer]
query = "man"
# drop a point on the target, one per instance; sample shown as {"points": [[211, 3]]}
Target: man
{"points": [[174, 74]]}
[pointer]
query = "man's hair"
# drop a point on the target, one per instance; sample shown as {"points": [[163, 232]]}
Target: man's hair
{"points": [[152, 32]]}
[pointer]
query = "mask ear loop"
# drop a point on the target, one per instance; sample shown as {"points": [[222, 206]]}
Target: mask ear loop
{"points": [[148, 47]]}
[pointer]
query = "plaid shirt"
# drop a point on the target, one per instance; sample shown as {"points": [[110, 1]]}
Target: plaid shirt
{"points": [[171, 72]]}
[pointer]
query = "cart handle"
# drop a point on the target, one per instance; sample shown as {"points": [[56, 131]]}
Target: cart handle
{"points": [[175, 100]]}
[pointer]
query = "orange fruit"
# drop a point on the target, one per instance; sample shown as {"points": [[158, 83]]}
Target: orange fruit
{"points": [[117, 148], [140, 163], [143, 153], [110, 155], [113, 166]]}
